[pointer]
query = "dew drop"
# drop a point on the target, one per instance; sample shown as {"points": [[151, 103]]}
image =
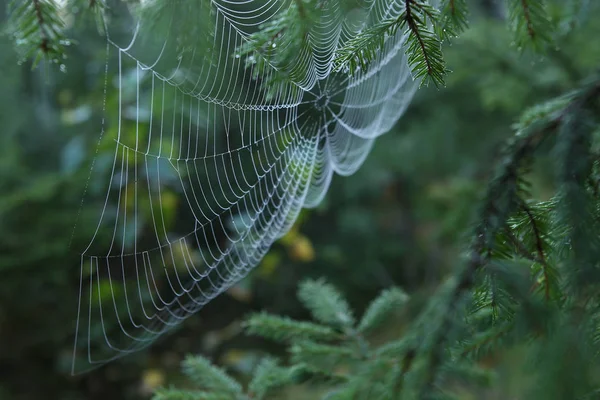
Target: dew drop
{"points": [[274, 45], [63, 68]]}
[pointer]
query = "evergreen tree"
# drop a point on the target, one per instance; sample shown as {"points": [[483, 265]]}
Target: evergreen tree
{"points": [[530, 278]]}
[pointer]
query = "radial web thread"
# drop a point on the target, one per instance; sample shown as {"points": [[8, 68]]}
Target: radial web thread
{"points": [[193, 123]]}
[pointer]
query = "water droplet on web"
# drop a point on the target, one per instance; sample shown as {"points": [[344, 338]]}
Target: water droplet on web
{"points": [[264, 132], [63, 68]]}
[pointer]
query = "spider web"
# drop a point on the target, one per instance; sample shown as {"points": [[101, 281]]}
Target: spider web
{"points": [[193, 124]]}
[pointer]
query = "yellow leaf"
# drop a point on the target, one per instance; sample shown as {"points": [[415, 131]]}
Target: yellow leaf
{"points": [[290, 237], [302, 249], [233, 357], [240, 293], [269, 264], [153, 378]]}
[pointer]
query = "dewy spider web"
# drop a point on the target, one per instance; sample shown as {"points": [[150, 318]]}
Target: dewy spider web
{"points": [[194, 123]]}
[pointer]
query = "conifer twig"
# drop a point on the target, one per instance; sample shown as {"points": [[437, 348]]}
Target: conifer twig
{"points": [[41, 23], [501, 200], [540, 250], [528, 22], [412, 26]]}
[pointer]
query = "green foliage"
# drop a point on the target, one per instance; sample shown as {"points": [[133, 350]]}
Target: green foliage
{"points": [[203, 373], [531, 23], [38, 30], [424, 43], [285, 330], [269, 376], [175, 394], [528, 319], [390, 301], [277, 52], [353, 365], [530, 281], [454, 18], [326, 304]]}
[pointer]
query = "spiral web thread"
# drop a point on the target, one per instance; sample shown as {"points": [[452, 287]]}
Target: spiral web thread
{"points": [[243, 164]]}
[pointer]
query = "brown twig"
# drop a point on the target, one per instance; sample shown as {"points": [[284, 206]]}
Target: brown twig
{"points": [[45, 42], [540, 250], [412, 26], [527, 15]]}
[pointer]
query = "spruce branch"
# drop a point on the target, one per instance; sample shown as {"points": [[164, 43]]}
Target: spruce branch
{"points": [[326, 304], [537, 235], [453, 18], [38, 30], [283, 329], [178, 394], [209, 377], [361, 50], [322, 358], [424, 46], [272, 53], [521, 249], [488, 337], [577, 207], [418, 23], [530, 22], [268, 376], [96, 8], [501, 200], [388, 302]]}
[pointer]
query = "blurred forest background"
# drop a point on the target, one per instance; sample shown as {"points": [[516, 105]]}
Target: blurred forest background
{"points": [[399, 221]]}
